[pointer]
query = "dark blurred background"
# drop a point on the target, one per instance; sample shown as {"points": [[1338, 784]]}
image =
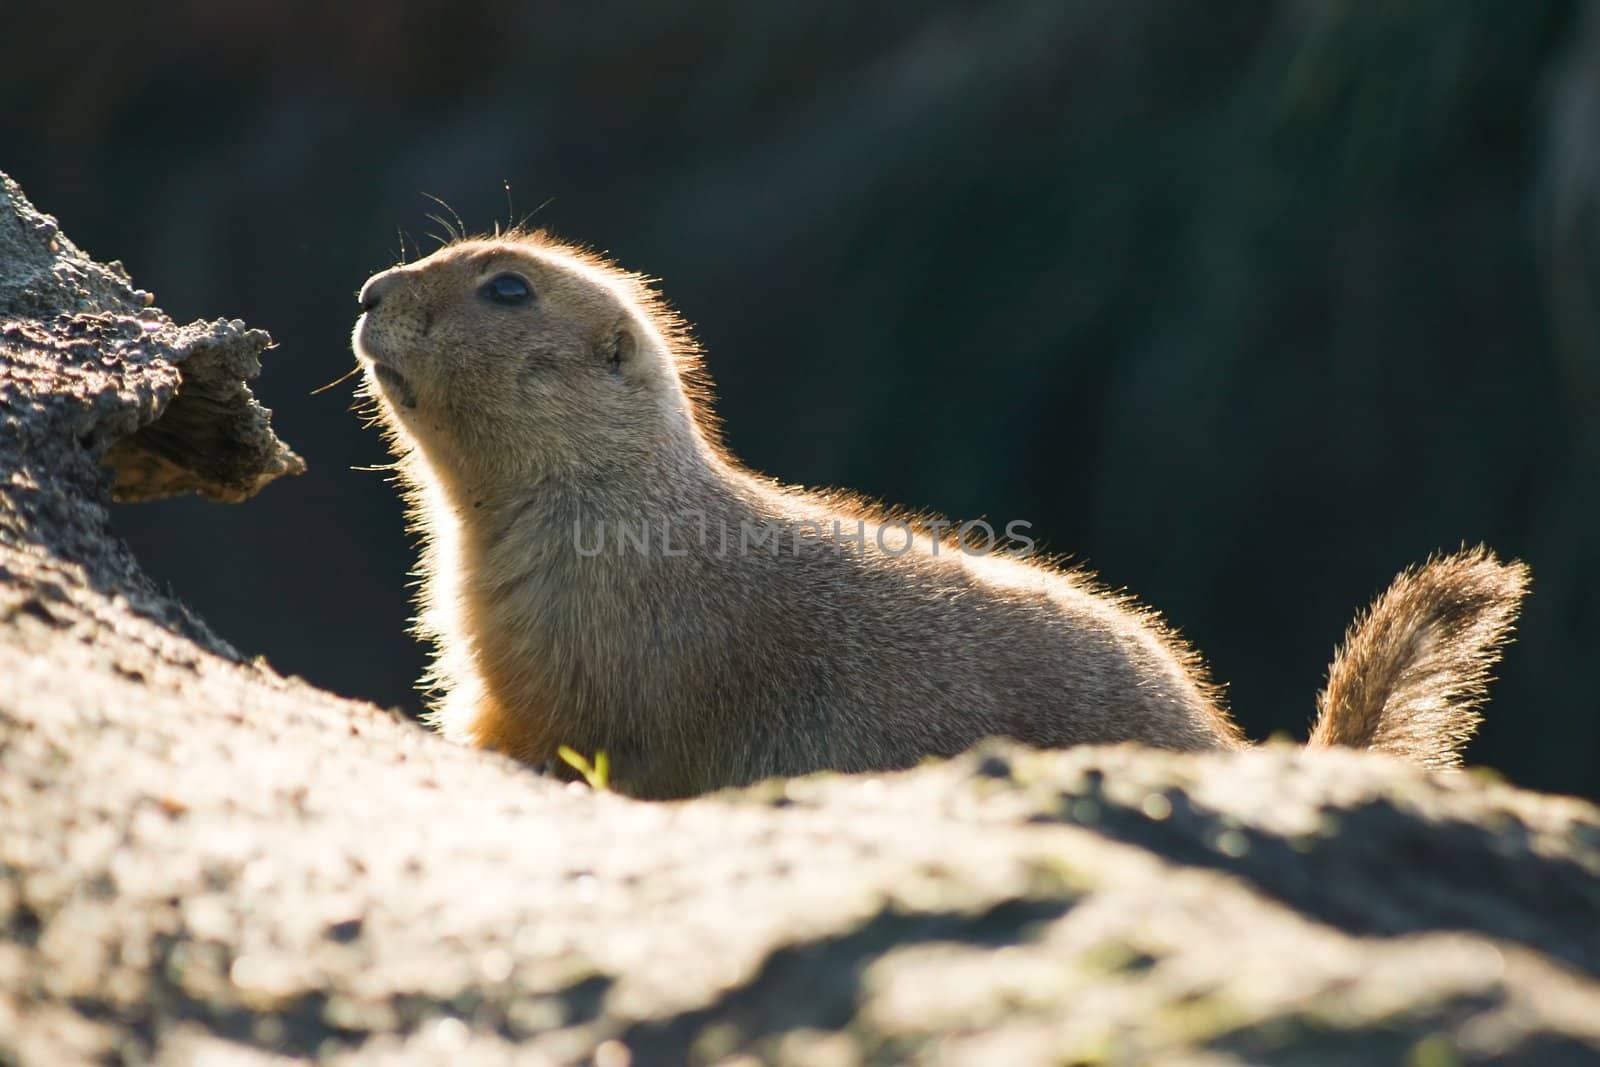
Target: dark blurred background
{"points": [[1246, 305]]}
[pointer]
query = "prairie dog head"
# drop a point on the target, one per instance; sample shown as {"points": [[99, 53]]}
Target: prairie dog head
{"points": [[512, 358]]}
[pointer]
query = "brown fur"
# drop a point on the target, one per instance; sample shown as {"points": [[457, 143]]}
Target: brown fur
{"points": [[1413, 671], [707, 668]]}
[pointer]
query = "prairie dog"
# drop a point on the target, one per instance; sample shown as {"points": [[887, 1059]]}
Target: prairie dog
{"points": [[542, 402]]}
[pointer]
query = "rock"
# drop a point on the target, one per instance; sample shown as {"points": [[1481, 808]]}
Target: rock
{"points": [[90, 362], [200, 858]]}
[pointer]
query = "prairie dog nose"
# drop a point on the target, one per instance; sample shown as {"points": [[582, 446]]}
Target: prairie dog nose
{"points": [[377, 285]]}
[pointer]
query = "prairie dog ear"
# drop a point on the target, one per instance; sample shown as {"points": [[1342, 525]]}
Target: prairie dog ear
{"points": [[619, 347]]}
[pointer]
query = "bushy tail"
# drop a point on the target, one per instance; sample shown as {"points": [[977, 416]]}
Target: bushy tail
{"points": [[1415, 668]]}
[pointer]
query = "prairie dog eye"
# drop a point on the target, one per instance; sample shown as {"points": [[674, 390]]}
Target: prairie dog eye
{"points": [[506, 289]]}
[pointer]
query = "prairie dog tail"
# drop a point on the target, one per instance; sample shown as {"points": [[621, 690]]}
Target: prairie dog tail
{"points": [[1414, 668]]}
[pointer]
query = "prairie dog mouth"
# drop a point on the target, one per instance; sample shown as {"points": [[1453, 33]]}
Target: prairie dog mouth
{"points": [[394, 384], [367, 342]]}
